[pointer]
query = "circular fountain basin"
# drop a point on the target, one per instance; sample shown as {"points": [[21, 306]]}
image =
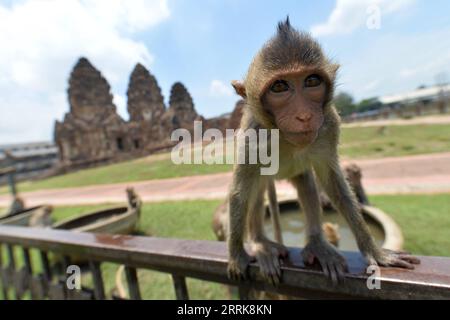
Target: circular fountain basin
{"points": [[384, 230]]}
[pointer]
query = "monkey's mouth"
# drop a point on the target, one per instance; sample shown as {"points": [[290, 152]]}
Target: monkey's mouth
{"points": [[299, 133], [300, 138]]}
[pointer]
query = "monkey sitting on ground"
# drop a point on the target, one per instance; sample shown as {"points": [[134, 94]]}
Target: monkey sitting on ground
{"points": [[133, 199], [42, 217], [331, 232], [353, 175], [16, 206], [290, 86]]}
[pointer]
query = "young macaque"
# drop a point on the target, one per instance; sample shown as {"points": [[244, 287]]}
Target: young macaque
{"points": [[16, 206], [331, 232], [289, 86], [42, 217], [133, 199], [353, 175]]}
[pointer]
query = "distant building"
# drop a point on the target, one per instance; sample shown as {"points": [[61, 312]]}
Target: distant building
{"points": [[31, 160], [425, 95], [423, 100], [93, 132]]}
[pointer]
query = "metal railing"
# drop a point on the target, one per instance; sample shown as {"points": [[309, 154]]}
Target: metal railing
{"points": [[205, 260]]}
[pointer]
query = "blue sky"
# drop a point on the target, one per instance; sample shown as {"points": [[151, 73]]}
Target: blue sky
{"points": [[204, 44]]}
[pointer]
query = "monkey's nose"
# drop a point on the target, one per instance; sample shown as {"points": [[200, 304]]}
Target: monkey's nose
{"points": [[304, 117]]}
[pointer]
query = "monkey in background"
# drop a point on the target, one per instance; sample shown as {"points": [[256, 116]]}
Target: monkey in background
{"points": [[353, 175], [16, 206], [219, 225], [42, 217], [331, 232], [289, 86], [220, 219]]}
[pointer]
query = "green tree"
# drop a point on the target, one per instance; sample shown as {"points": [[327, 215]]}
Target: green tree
{"points": [[368, 104], [344, 103]]}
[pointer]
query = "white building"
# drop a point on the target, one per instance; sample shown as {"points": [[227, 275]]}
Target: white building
{"points": [[425, 95]]}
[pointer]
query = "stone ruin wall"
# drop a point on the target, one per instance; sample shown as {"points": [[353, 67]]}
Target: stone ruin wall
{"points": [[92, 132]]}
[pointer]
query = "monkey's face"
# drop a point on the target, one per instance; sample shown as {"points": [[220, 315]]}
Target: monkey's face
{"points": [[296, 102]]}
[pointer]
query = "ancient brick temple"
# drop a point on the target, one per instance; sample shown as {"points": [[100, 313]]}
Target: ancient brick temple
{"points": [[93, 132]]}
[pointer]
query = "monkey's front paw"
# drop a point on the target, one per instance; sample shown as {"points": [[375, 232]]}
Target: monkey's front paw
{"points": [[332, 262], [268, 255], [238, 266], [390, 258]]}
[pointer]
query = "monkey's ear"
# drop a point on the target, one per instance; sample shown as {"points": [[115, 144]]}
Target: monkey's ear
{"points": [[239, 88], [334, 68]]}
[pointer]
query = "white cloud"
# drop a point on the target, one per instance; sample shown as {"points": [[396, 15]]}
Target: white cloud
{"points": [[219, 89], [370, 86], [377, 73], [349, 15], [121, 103], [41, 41]]}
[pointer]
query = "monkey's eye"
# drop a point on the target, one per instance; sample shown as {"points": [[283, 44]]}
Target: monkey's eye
{"points": [[279, 86], [313, 80]]}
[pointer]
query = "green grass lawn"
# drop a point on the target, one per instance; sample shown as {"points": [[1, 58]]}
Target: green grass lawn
{"points": [[358, 142], [188, 220], [134, 170], [424, 220], [368, 142]]}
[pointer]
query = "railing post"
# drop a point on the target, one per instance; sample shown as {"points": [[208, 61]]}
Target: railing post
{"points": [[57, 291], [45, 266], [27, 260], [99, 289], [12, 184], [12, 268], [243, 292], [179, 283], [3, 275], [133, 285], [39, 283], [23, 276]]}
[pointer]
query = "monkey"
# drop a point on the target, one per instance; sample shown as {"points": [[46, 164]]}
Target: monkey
{"points": [[289, 86], [353, 175], [331, 232], [133, 199], [219, 222], [381, 130], [16, 206], [42, 218]]}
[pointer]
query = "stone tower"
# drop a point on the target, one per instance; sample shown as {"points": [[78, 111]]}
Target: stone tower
{"points": [[92, 131], [145, 101], [181, 106], [89, 93]]}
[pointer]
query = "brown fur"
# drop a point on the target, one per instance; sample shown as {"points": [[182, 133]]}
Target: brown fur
{"points": [[17, 205], [331, 231], [290, 53]]}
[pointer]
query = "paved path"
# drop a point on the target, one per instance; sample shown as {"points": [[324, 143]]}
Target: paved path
{"points": [[412, 174]]}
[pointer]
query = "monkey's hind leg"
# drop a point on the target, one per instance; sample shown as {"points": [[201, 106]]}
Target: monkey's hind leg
{"points": [[267, 252], [274, 211]]}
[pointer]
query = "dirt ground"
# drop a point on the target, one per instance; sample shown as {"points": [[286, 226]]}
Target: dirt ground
{"points": [[411, 174]]}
